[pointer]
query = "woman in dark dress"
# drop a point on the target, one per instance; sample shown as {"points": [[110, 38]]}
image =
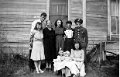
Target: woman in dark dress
{"points": [[59, 32], [49, 44]]}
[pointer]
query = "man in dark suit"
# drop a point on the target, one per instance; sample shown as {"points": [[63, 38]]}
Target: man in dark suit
{"points": [[80, 35]]}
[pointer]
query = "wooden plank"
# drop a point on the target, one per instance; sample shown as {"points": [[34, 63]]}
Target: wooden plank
{"points": [[23, 13], [20, 6], [84, 13], [21, 9], [15, 29], [28, 23], [17, 16], [15, 26], [16, 19], [15, 41], [96, 0], [23, 2]]}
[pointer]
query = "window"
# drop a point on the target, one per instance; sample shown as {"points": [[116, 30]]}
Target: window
{"points": [[113, 20], [114, 9], [58, 10]]}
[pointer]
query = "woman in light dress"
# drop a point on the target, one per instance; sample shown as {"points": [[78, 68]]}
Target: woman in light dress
{"points": [[77, 56], [37, 51]]}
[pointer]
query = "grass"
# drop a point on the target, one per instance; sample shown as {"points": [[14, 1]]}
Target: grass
{"points": [[10, 63]]}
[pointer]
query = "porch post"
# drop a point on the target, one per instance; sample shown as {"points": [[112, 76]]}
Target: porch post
{"points": [[109, 19], [69, 9], [119, 22], [48, 7], [84, 13]]}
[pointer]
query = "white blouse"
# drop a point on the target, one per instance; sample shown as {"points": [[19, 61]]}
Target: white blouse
{"points": [[69, 33]]}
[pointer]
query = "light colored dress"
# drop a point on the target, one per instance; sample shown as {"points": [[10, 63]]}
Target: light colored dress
{"points": [[38, 50], [78, 56], [58, 63], [61, 62], [75, 66]]}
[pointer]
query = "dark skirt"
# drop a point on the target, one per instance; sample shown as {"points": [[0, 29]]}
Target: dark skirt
{"points": [[59, 43], [68, 44], [49, 49]]}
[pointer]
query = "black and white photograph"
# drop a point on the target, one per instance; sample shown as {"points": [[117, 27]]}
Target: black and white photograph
{"points": [[59, 38]]}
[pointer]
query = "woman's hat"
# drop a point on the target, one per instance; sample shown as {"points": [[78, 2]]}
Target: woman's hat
{"points": [[78, 20]]}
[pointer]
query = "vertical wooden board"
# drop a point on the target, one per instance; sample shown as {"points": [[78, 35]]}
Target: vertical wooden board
{"points": [[75, 10]]}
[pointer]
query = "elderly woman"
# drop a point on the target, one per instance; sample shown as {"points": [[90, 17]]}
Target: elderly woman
{"points": [[49, 44]]}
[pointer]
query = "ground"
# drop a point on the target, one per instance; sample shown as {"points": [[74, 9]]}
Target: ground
{"points": [[90, 73], [15, 65]]}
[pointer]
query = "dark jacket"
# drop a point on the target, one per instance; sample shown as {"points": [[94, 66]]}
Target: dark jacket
{"points": [[80, 35]]}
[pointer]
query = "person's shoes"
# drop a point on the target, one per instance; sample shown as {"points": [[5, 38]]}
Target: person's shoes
{"points": [[41, 71], [73, 75], [37, 71]]}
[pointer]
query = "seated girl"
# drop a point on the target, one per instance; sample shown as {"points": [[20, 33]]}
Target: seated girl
{"points": [[76, 66]]}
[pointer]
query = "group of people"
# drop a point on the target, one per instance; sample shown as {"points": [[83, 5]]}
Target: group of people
{"points": [[50, 44]]}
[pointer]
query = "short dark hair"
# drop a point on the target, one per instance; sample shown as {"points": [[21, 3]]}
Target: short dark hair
{"points": [[78, 20], [35, 28], [79, 45], [43, 14], [69, 22], [56, 23]]}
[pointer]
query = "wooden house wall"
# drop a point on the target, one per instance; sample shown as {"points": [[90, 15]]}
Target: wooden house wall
{"points": [[16, 17], [96, 20], [75, 8]]}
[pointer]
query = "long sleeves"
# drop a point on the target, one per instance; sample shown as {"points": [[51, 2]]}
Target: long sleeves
{"points": [[86, 37], [77, 55], [48, 33]]}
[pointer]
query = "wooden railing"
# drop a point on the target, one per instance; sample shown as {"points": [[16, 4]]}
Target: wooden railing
{"points": [[98, 53]]}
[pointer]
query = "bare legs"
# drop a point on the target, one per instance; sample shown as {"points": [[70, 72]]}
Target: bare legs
{"points": [[48, 65], [37, 66]]}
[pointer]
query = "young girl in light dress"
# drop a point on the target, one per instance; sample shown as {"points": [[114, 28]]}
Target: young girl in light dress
{"points": [[37, 53]]}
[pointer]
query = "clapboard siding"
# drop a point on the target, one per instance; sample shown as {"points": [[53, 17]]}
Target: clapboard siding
{"points": [[16, 17], [96, 21], [75, 10], [96, 18]]}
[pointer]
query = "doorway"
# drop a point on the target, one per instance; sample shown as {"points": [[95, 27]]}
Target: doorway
{"points": [[58, 10]]}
